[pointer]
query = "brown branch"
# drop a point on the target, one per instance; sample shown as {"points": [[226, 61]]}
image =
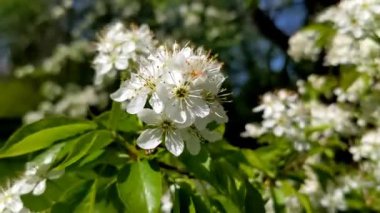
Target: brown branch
{"points": [[173, 168], [268, 28]]}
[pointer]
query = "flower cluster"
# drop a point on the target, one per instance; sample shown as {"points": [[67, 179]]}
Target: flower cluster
{"points": [[286, 115], [118, 47], [355, 23], [304, 45], [177, 92], [354, 17], [331, 114], [32, 181], [71, 100]]}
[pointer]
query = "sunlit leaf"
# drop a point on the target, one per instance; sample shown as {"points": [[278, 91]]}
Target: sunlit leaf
{"points": [[139, 187], [44, 138]]}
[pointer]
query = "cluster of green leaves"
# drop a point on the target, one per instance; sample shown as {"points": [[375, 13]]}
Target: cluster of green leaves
{"points": [[105, 172]]}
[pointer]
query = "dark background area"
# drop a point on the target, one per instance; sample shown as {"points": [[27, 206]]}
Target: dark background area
{"points": [[250, 37]]}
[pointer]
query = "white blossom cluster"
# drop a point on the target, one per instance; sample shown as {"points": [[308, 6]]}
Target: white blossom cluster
{"points": [[348, 115], [119, 47], [177, 92], [354, 17], [286, 115], [368, 148], [32, 181], [54, 64], [304, 45], [354, 43], [72, 101]]}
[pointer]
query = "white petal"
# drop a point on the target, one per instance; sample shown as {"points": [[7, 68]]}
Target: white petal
{"points": [[122, 63], [16, 204], [2, 206], [148, 116], [189, 119], [40, 188], [220, 113], [55, 174], [174, 111], [156, 103], [211, 136], [137, 103], [31, 168], [129, 47], [200, 107], [174, 143], [103, 64], [194, 147], [201, 123], [149, 139], [192, 142], [122, 94], [174, 77], [24, 186], [163, 93]]}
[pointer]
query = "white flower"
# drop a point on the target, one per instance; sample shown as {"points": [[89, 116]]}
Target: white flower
{"points": [[344, 49], [135, 91], [183, 100], [369, 147], [117, 46], [331, 116], [167, 200], [353, 17], [10, 201], [213, 94], [303, 45], [334, 200], [74, 102], [37, 173], [183, 89], [253, 130], [164, 131], [185, 75]]}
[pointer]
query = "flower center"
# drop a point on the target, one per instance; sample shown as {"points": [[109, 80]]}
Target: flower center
{"points": [[150, 84], [181, 92], [167, 125], [196, 73]]}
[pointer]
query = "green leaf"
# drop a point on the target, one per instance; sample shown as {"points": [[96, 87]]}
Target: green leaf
{"points": [[305, 202], [199, 204], [278, 199], [182, 201], [72, 197], [44, 138], [88, 203], [199, 165], [119, 120], [87, 143], [223, 203], [38, 126], [139, 187], [253, 200], [255, 160]]}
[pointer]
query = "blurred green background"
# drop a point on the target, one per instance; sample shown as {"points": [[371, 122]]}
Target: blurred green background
{"points": [[52, 40]]}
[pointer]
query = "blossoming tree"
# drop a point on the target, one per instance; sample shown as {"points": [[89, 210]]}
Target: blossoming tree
{"points": [[327, 133], [133, 157], [154, 142]]}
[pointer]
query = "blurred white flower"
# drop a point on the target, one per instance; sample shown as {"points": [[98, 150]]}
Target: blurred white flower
{"points": [[368, 148], [304, 45], [118, 46], [73, 101], [10, 201]]}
